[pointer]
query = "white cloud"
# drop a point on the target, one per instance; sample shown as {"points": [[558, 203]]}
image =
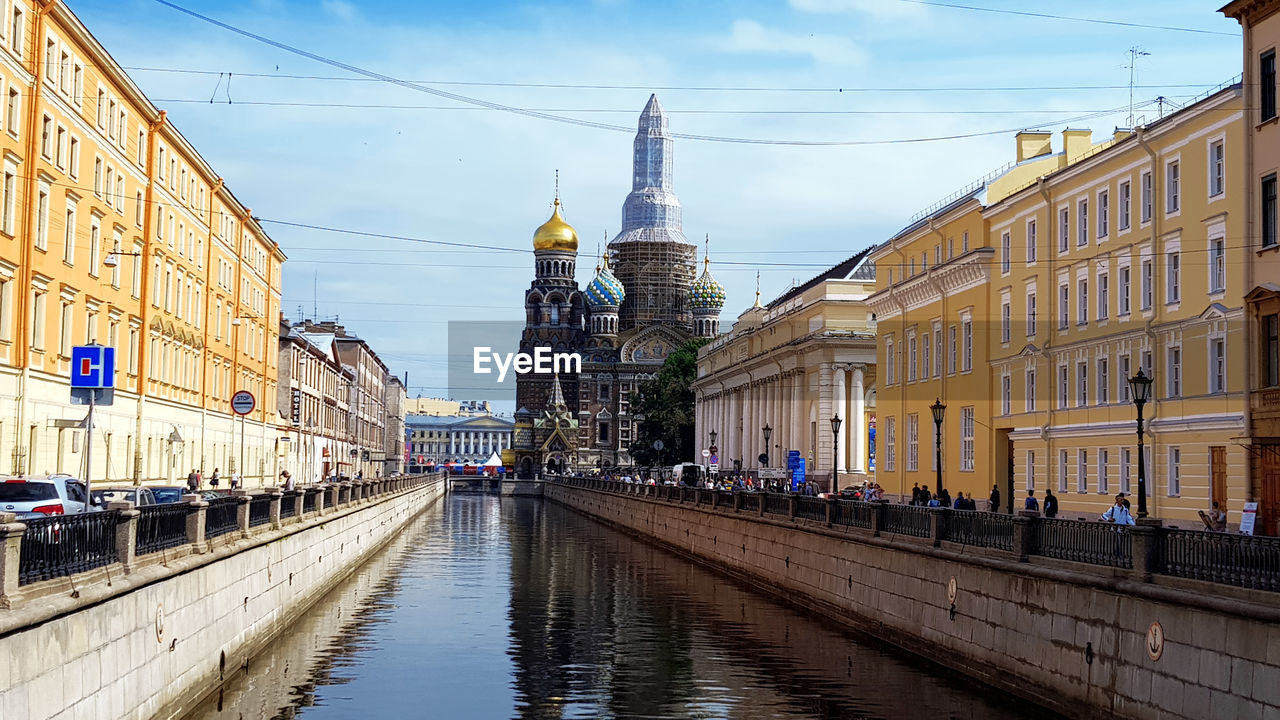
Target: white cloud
{"points": [[749, 36], [339, 9], [878, 9]]}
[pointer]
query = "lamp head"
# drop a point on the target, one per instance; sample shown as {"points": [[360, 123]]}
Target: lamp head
{"points": [[939, 411], [1140, 384], [836, 422]]}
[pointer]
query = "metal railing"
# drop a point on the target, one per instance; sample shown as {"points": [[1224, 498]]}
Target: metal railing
{"points": [[907, 520], [811, 508], [852, 513], [289, 505], [220, 517], [161, 527], [309, 500], [259, 510], [979, 529], [63, 545], [1241, 560], [777, 504], [749, 502], [1082, 541]]}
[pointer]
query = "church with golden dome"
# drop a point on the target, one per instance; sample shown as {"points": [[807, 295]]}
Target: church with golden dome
{"points": [[642, 302]]}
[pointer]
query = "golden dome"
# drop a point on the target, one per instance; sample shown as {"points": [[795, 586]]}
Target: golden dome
{"points": [[556, 234]]}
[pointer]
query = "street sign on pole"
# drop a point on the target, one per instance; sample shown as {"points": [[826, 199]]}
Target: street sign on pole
{"points": [[706, 453], [243, 402], [93, 366]]}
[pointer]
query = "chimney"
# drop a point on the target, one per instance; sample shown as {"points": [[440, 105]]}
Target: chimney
{"points": [[1076, 143], [1033, 143]]}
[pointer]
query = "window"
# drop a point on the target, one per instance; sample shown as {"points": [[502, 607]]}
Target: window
{"points": [[1173, 265], [1064, 228], [604, 432], [967, 326], [888, 359], [13, 111], [1266, 80], [951, 350], [1146, 196], [1064, 306], [1271, 349], [1104, 213], [1031, 241], [1175, 471], [10, 200], [6, 308], [1217, 169], [605, 390], [1126, 199], [1082, 225], [966, 438], [1082, 301], [1175, 372], [66, 323], [69, 236], [37, 319], [1104, 479], [1082, 384], [1217, 265], [42, 220], [1126, 468], [19, 30], [1104, 296], [1148, 361], [1104, 381], [1031, 390], [1125, 290], [46, 137], [60, 148], [913, 443], [1031, 313], [924, 356], [964, 241], [1082, 471], [74, 168], [937, 350], [890, 444], [160, 166], [1217, 365], [1148, 284], [1171, 187], [1006, 390], [1062, 386], [1006, 251], [1123, 384], [1030, 472], [1005, 321], [1269, 211], [911, 358], [1062, 471]]}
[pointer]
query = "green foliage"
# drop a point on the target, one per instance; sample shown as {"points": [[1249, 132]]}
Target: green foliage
{"points": [[667, 404]]}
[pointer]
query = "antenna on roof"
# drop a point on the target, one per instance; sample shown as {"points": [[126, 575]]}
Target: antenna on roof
{"points": [[1135, 52]]}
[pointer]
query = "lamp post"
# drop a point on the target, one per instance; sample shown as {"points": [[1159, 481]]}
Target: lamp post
{"points": [[835, 451], [1140, 385], [768, 431], [939, 412]]}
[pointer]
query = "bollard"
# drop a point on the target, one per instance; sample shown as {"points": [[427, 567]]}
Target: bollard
{"points": [[297, 501], [195, 523], [831, 511], [937, 524], [877, 516], [737, 501], [791, 512], [126, 533], [1024, 535], [1144, 536]]}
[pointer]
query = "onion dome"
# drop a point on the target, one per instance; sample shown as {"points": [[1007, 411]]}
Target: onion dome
{"points": [[605, 289], [705, 293], [556, 234]]}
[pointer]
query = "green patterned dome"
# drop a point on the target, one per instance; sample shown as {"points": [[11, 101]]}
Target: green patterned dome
{"points": [[605, 290], [705, 293]]}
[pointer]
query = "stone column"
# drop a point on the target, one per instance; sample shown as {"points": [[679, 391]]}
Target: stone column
{"points": [[276, 495], [728, 442], [242, 510], [798, 380], [858, 425], [11, 532], [841, 409], [126, 534]]}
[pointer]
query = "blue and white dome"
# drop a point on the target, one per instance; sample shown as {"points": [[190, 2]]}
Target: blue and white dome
{"points": [[605, 290], [705, 293]]}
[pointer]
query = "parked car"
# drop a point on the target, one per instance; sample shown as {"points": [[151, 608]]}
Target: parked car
{"points": [[168, 493], [208, 495], [43, 496], [139, 496]]}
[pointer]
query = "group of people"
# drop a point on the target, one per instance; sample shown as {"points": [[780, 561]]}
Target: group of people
{"points": [[195, 479]]}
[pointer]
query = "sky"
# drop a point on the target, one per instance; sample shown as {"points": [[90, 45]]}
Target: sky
{"points": [[302, 142]]}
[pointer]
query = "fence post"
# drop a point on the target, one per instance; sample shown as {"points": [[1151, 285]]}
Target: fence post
{"points": [[11, 532], [298, 499], [877, 516], [126, 533], [1024, 527], [1145, 537], [831, 511], [760, 503], [791, 506], [243, 498], [195, 522], [737, 501], [937, 524]]}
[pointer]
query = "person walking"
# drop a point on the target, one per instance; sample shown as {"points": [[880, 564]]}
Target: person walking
{"points": [[1031, 503], [193, 481], [214, 479], [1050, 504], [960, 503], [235, 480], [995, 498], [915, 494]]}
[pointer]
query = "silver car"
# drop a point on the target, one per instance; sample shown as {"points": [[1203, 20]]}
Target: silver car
{"points": [[37, 497], [140, 496]]}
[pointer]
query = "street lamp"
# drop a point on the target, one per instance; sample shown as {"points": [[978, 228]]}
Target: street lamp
{"points": [[835, 451], [939, 411], [768, 431], [1140, 385], [113, 258], [713, 438]]}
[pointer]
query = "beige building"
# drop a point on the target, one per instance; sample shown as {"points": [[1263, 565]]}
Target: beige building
{"points": [[793, 365]]}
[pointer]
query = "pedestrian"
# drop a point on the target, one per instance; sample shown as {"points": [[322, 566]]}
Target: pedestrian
{"points": [[193, 481], [213, 479], [995, 498], [1218, 516], [960, 503], [1050, 504], [1031, 503], [288, 483], [944, 498], [1118, 513], [915, 494], [235, 480]]}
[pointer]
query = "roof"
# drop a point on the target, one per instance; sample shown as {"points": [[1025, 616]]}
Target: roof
{"points": [[443, 422], [852, 269]]}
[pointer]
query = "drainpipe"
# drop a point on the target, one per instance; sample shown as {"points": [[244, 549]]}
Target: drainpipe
{"points": [[144, 332], [1250, 232], [1156, 305], [1042, 186]]}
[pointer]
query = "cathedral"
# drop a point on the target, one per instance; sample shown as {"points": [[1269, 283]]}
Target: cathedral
{"points": [[643, 302]]}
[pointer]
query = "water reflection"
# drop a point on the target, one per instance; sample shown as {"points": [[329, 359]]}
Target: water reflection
{"points": [[519, 609]]}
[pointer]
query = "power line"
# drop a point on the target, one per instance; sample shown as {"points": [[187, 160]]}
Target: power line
{"points": [[1050, 16]]}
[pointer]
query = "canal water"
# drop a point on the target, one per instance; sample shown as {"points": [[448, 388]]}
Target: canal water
{"points": [[515, 608]]}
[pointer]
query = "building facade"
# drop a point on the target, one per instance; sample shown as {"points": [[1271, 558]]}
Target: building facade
{"points": [[622, 325], [792, 366], [312, 404], [435, 439], [114, 230], [1261, 22]]}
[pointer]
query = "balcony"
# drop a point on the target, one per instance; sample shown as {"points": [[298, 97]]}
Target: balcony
{"points": [[1265, 402]]}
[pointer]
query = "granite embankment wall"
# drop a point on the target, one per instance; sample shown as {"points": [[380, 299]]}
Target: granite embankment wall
{"points": [[152, 641], [1070, 636]]}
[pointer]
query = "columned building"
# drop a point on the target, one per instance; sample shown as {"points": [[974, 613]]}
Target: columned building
{"points": [[792, 366], [437, 440]]}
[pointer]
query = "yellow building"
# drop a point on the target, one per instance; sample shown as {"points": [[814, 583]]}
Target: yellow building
{"points": [[113, 230], [792, 365], [1082, 267]]}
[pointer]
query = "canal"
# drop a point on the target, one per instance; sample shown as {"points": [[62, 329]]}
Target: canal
{"points": [[515, 608]]}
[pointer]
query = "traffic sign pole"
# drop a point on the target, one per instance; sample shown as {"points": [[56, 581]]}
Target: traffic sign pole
{"points": [[242, 403], [88, 454]]}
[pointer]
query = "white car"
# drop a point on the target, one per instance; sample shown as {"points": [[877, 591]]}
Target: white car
{"points": [[43, 496]]}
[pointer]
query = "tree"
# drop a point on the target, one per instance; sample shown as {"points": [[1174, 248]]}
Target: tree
{"points": [[667, 404]]}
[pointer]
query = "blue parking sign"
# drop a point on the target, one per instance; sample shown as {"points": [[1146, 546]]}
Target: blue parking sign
{"points": [[93, 366]]}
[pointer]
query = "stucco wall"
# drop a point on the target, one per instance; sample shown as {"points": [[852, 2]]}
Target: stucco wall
{"points": [[1071, 639], [155, 650]]}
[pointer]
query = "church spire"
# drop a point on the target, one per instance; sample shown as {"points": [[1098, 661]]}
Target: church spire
{"points": [[651, 211]]}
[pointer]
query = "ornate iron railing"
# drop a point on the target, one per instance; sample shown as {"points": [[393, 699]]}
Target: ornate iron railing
{"points": [[1241, 560], [220, 517], [309, 500], [907, 520], [259, 510], [1082, 541], [777, 504], [852, 513], [161, 527], [979, 529], [811, 508], [749, 502], [62, 545], [288, 504]]}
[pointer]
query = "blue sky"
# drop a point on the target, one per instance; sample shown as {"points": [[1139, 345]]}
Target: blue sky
{"points": [[443, 171]]}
